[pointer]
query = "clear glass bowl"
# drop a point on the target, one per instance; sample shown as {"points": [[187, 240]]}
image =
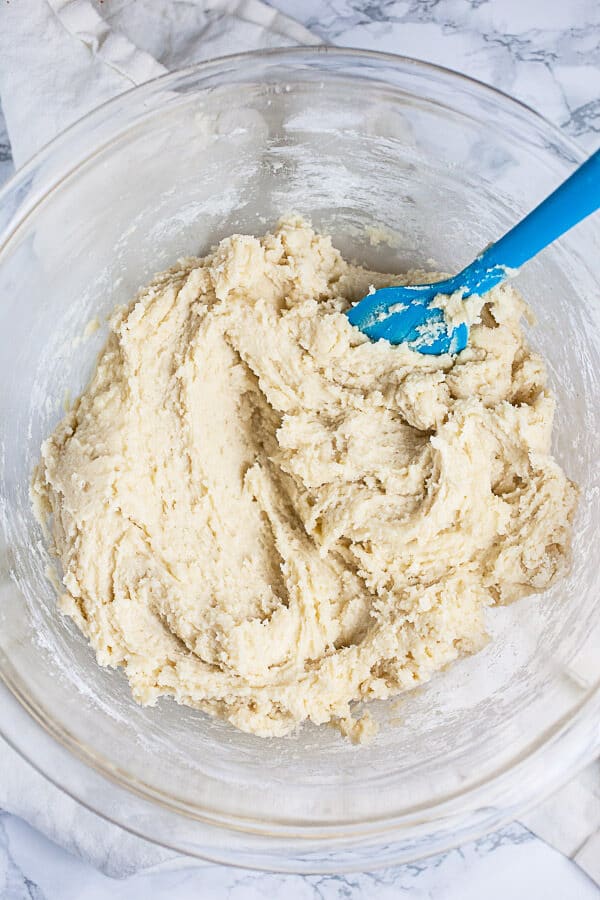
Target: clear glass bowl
{"points": [[351, 140]]}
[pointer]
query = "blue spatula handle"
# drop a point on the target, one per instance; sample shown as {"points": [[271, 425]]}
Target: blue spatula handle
{"points": [[574, 200]]}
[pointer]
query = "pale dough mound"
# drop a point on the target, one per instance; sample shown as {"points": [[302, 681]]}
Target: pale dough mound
{"points": [[267, 516]]}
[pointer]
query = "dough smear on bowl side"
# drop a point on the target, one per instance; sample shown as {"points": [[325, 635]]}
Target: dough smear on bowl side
{"points": [[265, 515]]}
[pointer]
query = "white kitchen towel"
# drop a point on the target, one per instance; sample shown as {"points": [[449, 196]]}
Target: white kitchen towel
{"points": [[58, 60], [26, 793], [570, 820], [61, 58]]}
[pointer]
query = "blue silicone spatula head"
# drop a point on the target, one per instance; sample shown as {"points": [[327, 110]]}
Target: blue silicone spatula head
{"points": [[412, 315]]}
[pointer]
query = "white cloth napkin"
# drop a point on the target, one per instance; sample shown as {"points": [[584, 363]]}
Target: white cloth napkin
{"points": [[61, 58], [58, 60], [569, 820]]}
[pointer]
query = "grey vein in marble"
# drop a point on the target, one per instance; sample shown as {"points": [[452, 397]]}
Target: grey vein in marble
{"points": [[529, 48]]}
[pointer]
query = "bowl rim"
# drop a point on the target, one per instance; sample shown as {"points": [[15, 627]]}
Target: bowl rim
{"points": [[278, 53], [484, 793]]}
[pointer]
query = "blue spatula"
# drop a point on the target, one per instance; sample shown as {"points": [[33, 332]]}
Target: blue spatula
{"points": [[409, 315]]}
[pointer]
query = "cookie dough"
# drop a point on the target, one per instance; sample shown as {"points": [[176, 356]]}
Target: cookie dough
{"points": [[265, 515]]}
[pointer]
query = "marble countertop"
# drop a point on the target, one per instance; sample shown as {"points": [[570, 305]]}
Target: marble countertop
{"points": [[546, 53], [511, 864]]}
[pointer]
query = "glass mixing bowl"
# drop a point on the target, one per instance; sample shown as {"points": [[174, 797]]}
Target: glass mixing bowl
{"points": [[355, 141]]}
